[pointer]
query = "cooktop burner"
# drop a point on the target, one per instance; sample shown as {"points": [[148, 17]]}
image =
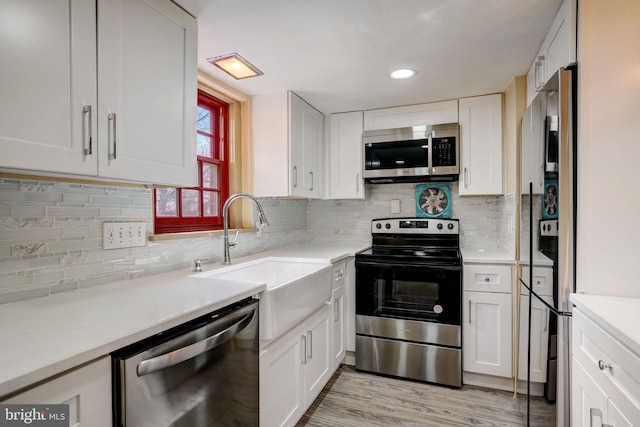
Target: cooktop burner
{"points": [[435, 241]]}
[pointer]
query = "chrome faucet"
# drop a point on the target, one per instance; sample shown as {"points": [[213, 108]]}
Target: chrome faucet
{"points": [[225, 221]]}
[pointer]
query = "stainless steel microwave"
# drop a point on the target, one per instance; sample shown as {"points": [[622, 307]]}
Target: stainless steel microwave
{"points": [[412, 154]]}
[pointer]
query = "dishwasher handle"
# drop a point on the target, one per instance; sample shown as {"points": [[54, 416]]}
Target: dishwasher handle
{"points": [[185, 353]]}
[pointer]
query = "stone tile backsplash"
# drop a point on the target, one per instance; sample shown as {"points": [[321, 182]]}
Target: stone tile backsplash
{"points": [[51, 237], [51, 232]]}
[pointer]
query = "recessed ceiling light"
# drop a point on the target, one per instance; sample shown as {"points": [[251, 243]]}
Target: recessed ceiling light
{"points": [[403, 73], [235, 65]]}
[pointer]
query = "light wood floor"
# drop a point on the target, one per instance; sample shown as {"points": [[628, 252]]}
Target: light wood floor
{"points": [[357, 399]]}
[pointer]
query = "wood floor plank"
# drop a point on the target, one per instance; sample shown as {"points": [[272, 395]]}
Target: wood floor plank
{"points": [[359, 399]]}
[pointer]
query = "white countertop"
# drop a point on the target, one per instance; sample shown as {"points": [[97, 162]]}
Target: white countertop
{"points": [[615, 315], [539, 259], [486, 256], [45, 336]]}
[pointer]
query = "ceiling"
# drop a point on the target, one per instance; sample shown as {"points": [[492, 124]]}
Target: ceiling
{"points": [[337, 54]]}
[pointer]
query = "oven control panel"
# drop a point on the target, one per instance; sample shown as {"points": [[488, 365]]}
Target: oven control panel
{"points": [[414, 226]]}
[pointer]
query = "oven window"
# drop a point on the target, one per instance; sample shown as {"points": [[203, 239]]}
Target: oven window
{"points": [[418, 293], [404, 298]]}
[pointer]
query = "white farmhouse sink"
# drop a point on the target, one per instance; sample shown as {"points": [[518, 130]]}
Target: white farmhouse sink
{"points": [[295, 288]]}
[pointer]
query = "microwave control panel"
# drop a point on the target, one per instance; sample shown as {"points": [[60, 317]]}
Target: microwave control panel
{"points": [[444, 151]]}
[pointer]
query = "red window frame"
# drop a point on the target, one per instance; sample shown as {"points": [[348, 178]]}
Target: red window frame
{"points": [[216, 139]]}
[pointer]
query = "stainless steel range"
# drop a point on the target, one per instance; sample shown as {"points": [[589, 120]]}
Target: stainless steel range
{"points": [[409, 301]]}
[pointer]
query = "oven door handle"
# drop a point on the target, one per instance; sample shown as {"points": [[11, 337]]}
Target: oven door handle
{"points": [[378, 264], [192, 350]]}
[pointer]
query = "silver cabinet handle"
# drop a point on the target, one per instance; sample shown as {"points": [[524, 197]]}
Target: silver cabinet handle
{"points": [[310, 342], [603, 365], [545, 323], [311, 183], [469, 311], [357, 183], [295, 177], [466, 178], [336, 314], [192, 350], [304, 349], [88, 148], [112, 134]]}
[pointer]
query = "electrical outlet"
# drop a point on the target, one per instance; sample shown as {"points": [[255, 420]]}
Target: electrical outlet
{"points": [[117, 235]]}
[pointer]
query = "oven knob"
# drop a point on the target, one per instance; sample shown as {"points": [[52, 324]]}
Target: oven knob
{"points": [[450, 226], [378, 226], [387, 226], [440, 226]]}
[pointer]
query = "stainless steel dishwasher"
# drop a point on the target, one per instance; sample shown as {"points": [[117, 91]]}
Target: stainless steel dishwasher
{"points": [[201, 373]]}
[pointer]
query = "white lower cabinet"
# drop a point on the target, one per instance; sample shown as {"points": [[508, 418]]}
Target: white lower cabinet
{"points": [[294, 369], [338, 315], [87, 391], [487, 333], [486, 316], [338, 336], [539, 339], [542, 285], [605, 384]]}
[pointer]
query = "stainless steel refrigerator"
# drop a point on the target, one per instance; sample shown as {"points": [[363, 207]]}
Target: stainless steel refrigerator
{"points": [[548, 235]]}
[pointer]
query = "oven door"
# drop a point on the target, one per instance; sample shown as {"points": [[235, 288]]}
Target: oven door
{"points": [[409, 291]]}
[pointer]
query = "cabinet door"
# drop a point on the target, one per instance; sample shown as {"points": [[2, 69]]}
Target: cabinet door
{"points": [[86, 390], [48, 75], [533, 125], [345, 156], [338, 335], [147, 92], [282, 402], [435, 113], [296, 145], [487, 333], [318, 360], [588, 401], [539, 339], [481, 145], [313, 138], [350, 303]]}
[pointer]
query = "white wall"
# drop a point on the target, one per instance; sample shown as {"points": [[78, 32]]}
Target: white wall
{"points": [[609, 147]]}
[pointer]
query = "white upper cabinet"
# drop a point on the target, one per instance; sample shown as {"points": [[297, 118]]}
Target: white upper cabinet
{"points": [[532, 158], [434, 113], [345, 156], [48, 78], [147, 92], [557, 50], [481, 145], [59, 60], [287, 146]]}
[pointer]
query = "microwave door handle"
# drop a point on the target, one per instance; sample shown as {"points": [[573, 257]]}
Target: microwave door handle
{"points": [[188, 352], [430, 154]]}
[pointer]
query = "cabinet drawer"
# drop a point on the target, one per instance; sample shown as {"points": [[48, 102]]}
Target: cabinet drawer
{"points": [[338, 276], [614, 367], [487, 277], [542, 280]]}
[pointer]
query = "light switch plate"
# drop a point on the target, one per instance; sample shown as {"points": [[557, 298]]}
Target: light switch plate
{"points": [[117, 235]]}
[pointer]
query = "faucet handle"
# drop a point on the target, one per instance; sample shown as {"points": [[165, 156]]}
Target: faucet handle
{"points": [[233, 243]]}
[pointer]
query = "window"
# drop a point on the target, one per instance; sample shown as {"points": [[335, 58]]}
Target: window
{"points": [[200, 208]]}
